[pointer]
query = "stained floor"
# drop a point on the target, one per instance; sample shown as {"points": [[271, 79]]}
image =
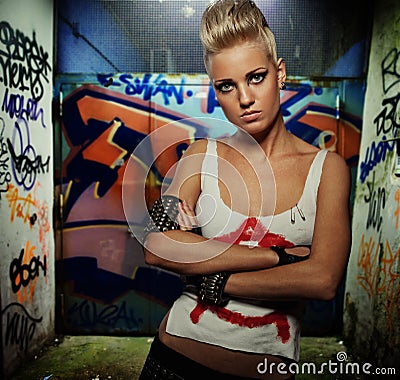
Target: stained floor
{"points": [[121, 358]]}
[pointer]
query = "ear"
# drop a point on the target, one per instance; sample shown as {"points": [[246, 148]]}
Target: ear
{"points": [[281, 71]]}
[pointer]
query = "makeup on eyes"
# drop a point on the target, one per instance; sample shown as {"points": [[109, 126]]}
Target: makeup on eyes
{"points": [[226, 85]]}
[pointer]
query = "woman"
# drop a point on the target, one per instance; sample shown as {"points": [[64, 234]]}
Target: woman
{"points": [[242, 320]]}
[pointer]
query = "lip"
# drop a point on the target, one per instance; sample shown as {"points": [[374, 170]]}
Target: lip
{"points": [[250, 116]]}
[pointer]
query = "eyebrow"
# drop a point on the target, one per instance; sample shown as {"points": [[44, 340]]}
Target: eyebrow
{"points": [[247, 75]]}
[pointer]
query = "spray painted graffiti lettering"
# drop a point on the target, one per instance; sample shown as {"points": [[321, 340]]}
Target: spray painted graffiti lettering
{"points": [[380, 281], [110, 316], [102, 125], [25, 168], [391, 70], [387, 120], [376, 200], [19, 107], [26, 164], [368, 262], [24, 64], [21, 207], [5, 175], [148, 87], [375, 154], [26, 268], [20, 326]]}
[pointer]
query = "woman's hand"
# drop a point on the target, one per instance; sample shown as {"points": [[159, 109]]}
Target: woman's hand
{"points": [[186, 218]]}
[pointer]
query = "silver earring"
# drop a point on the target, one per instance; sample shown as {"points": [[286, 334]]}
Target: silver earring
{"points": [[283, 86]]}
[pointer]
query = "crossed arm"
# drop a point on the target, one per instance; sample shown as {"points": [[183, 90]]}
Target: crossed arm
{"points": [[254, 274]]}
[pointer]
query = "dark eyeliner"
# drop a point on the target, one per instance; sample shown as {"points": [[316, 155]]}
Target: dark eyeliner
{"points": [[220, 86], [262, 74]]}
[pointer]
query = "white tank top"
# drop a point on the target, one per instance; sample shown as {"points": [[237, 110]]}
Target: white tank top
{"points": [[259, 327]]}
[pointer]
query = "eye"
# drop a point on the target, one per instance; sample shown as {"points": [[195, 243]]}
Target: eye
{"points": [[257, 77], [224, 86]]}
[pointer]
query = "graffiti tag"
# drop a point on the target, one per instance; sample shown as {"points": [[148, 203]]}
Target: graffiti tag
{"points": [[391, 70], [387, 120], [376, 200], [19, 327], [26, 164], [5, 175], [110, 316], [26, 268], [375, 154], [382, 282], [24, 64], [149, 87], [17, 106], [20, 206]]}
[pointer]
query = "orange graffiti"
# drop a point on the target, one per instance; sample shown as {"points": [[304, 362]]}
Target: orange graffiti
{"points": [[24, 207], [20, 206], [31, 211], [368, 262], [397, 212], [379, 276], [26, 293]]}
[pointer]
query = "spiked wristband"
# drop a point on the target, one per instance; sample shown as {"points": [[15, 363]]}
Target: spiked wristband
{"points": [[211, 288], [163, 215]]}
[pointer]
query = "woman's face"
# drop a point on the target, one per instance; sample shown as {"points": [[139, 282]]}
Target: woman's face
{"points": [[247, 86]]}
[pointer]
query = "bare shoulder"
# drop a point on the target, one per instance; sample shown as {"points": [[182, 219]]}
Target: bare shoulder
{"points": [[186, 178], [335, 178], [197, 147], [335, 165]]}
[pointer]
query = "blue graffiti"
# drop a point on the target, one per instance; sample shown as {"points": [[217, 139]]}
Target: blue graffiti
{"points": [[148, 87], [19, 107], [375, 154], [212, 101], [26, 163]]}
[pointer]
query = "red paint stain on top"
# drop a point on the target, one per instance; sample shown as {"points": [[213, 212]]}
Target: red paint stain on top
{"points": [[250, 230], [235, 318], [253, 230]]}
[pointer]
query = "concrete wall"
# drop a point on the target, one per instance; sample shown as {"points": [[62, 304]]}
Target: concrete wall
{"points": [[26, 179], [372, 308]]}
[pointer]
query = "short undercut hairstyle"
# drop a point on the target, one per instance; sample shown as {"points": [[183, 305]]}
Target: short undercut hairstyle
{"points": [[229, 22]]}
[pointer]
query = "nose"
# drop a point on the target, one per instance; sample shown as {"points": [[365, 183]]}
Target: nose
{"points": [[246, 97]]}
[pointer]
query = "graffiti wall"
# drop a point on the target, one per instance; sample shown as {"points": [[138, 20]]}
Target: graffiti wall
{"points": [[373, 284], [105, 287], [26, 179]]}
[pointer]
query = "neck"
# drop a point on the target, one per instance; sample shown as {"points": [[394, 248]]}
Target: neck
{"points": [[275, 139]]}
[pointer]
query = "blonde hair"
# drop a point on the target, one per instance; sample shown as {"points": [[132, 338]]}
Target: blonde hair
{"points": [[229, 22]]}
